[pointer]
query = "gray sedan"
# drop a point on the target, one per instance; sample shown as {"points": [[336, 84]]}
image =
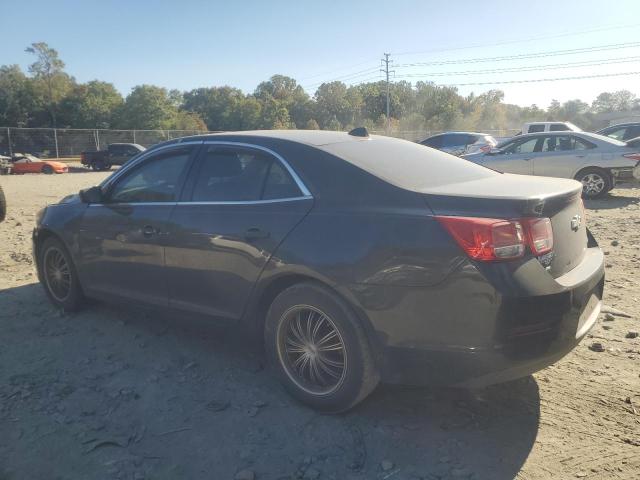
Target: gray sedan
{"points": [[597, 161]]}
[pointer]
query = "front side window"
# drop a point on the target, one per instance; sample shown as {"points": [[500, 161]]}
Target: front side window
{"points": [[228, 174], [631, 132], [536, 128], [522, 146], [156, 180]]}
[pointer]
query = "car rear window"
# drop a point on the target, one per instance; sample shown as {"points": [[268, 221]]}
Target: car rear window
{"points": [[406, 164]]}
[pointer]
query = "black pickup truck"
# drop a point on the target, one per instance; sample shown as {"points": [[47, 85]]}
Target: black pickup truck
{"points": [[115, 154]]}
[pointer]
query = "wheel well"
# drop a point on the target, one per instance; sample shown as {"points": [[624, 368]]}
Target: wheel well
{"points": [[600, 169], [256, 316], [43, 235]]}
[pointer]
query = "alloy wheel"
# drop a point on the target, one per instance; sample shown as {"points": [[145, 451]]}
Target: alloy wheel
{"points": [[57, 274], [311, 350], [592, 184]]}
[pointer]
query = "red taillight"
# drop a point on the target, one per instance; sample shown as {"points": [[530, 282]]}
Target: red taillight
{"points": [[539, 235], [485, 148], [632, 156], [488, 239]]}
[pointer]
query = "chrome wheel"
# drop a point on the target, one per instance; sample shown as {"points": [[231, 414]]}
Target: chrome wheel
{"points": [[57, 274], [593, 184], [311, 350]]}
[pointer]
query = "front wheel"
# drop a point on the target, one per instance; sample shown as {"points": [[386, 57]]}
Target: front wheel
{"points": [[595, 182], [318, 348], [48, 169], [58, 276]]}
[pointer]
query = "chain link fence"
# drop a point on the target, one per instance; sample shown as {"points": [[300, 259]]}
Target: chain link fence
{"points": [[69, 143]]}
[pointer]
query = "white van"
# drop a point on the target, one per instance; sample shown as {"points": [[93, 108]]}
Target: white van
{"points": [[535, 127]]}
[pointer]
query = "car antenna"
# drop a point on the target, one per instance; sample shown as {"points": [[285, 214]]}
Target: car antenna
{"points": [[359, 132]]}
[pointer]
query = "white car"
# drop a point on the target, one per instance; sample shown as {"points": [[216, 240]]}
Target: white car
{"points": [[538, 127]]}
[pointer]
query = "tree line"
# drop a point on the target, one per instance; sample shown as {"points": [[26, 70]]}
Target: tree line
{"points": [[47, 96]]}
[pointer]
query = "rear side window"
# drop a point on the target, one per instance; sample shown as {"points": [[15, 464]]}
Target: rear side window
{"points": [[558, 127], [536, 128], [458, 140], [227, 174], [526, 145], [632, 132], [279, 183], [433, 142]]}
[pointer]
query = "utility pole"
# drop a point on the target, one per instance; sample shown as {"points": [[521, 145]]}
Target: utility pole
{"points": [[385, 61]]}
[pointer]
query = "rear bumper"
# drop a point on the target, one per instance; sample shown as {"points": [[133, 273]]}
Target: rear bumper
{"points": [[501, 337]]}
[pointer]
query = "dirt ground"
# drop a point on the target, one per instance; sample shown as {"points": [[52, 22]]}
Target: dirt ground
{"points": [[111, 393]]}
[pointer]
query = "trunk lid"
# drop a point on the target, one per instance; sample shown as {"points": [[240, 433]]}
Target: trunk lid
{"points": [[515, 196]]}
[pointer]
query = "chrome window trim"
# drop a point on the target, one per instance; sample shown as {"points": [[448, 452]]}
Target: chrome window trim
{"points": [[306, 194], [303, 188], [144, 155], [175, 204]]}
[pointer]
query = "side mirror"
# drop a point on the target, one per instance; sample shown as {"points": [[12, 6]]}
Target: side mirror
{"points": [[91, 195]]}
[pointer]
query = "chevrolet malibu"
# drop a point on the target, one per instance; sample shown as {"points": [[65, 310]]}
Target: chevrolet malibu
{"points": [[358, 258]]}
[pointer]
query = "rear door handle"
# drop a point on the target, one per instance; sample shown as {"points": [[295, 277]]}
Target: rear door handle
{"points": [[148, 231], [255, 234]]}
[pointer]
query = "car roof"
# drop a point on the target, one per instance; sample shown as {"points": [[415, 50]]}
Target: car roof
{"points": [[314, 138], [626, 124], [459, 133], [586, 135]]}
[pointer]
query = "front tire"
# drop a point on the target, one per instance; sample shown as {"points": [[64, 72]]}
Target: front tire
{"points": [[595, 182], [47, 169], [318, 348], [58, 276]]}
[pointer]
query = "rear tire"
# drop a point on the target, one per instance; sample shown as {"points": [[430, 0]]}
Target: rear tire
{"points": [[595, 182], [58, 276], [47, 169], [318, 348]]}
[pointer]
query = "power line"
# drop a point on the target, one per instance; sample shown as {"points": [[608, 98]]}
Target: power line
{"points": [[573, 51], [361, 73], [522, 40], [536, 80], [337, 70], [554, 66]]}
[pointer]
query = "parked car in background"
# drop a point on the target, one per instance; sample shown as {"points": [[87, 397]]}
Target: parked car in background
{"points": [[538, 127], [115, 154], [459, 143], [598, 162], [27, 163], [622, 131], [437, 271]]}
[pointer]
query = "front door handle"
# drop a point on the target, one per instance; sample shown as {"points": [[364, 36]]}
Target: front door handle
{"points": [[255, 234], [148, 231]]}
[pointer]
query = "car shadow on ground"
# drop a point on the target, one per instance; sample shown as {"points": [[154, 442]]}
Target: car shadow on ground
{"points": [[160, 396], [611, 201]]}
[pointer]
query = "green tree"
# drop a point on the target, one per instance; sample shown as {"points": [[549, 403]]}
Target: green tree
{"points": [[90, 105], [16, 103], [48, 68], [147, 107]]}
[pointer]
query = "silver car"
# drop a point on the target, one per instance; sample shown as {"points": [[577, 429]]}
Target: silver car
{"points": [[460, 143], [597, 161]]}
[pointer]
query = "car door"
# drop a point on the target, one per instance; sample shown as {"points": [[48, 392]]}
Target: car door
{"points": [[561, 155], [117, 154], [239, 204], [514, 156], [121, 240]]}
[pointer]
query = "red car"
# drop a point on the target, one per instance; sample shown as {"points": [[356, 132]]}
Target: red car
{"points": [[26, 163]]}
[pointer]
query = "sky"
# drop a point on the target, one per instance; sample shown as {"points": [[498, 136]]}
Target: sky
{"points": [[191, 43]]}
